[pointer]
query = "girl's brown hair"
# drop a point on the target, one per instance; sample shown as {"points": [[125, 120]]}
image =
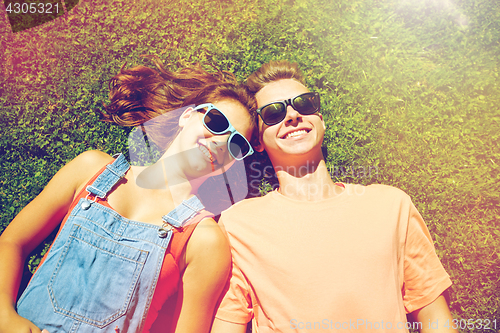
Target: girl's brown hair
{"points": [[141, 93], [273, 71]]}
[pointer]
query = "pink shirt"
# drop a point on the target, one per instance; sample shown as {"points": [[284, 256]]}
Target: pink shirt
{"points": [[356, 262]]}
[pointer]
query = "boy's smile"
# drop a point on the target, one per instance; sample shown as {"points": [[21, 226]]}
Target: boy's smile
{"points": [[296, 133]]}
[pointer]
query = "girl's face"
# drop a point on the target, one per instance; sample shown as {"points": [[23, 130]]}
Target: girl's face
{"points": [[204, 153]]}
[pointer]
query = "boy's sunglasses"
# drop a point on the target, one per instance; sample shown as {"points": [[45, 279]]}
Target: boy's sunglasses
{"points": [[217, 123], [305, 104]]}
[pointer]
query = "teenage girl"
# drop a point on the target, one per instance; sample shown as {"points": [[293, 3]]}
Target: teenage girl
{"points": [[133, 240]]}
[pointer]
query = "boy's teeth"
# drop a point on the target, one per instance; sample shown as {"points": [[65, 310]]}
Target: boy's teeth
{"points": [[293, 134]]}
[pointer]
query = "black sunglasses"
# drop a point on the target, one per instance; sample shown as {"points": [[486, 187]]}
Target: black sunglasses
{"points": [[217, 123], [305, 104]]}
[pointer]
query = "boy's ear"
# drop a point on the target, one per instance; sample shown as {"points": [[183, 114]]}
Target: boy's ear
{"points": [[185, 116], [322, 121]]}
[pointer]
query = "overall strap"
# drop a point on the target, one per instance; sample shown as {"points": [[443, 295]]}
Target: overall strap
{"points": [[109, 177], [180, 215], [184, 212]]}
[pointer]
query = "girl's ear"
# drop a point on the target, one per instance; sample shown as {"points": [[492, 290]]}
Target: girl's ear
{"points": [[259, 147], [185, 116]]}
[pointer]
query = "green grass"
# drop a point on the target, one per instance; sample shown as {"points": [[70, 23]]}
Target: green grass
{"points": [[410, 90]]}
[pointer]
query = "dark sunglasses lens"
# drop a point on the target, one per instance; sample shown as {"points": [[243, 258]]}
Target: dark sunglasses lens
{"points": [[306, 103], [273, 113], [239, 146], [216, 121]]}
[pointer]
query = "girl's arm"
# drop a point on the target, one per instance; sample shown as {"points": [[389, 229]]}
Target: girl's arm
{"points": [[32, 225], [208, 261]]}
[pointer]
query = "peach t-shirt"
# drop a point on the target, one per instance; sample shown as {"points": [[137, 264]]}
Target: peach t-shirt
{"points": [[356, 262]]}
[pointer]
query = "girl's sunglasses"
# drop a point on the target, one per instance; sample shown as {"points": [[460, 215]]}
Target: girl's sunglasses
{"points": [[216, 122], [305, 104]]}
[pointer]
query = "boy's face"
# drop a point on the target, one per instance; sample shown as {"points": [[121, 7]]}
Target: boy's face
{"points": [[297, 134]]}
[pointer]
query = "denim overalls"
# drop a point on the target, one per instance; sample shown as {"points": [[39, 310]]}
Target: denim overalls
{"points": [[101, 271]]}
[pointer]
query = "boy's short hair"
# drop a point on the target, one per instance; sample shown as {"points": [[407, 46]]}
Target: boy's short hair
{"points": [[273, 71]]}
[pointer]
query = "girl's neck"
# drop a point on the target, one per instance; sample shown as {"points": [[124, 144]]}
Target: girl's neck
{"points": [[163, 178]]}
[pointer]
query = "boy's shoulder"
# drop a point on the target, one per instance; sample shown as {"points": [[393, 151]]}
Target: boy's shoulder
{"points": [[373, 194], [385, 190], [376, 194], [249, 207], [251, 203]]}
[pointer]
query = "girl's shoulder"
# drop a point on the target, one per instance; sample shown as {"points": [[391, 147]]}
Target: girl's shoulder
{"points": [[93, 158], [207, 240], [208, 235], [86, 165]]}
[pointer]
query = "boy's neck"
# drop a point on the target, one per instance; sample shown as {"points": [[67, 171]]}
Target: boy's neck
{"points": [[309, 181]]}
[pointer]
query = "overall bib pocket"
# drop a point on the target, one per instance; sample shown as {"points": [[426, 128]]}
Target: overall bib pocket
{"points": [[95, 277]]}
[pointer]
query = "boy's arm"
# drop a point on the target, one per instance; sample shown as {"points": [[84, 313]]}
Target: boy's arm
{"points": [[435, 317]]}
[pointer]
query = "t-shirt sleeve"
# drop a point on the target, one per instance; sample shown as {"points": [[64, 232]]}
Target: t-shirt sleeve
{"points": [[235, 305], [424, 276]]}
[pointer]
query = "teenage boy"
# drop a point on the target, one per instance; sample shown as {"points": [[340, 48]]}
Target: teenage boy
{"points": [[319, 256]]}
